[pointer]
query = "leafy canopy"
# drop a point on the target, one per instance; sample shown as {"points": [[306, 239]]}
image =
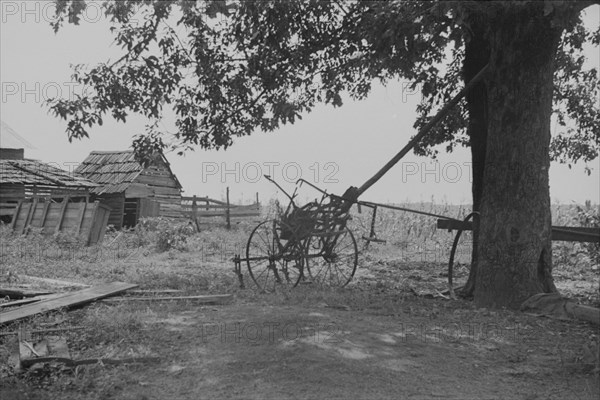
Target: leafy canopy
{"points": [[228, 69]]}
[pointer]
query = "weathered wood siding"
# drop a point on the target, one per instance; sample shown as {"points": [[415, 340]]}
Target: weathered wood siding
{"points": [[164, 186], [148, 208], [129, 189], [12, 192], [116, 203], [86, 220]]}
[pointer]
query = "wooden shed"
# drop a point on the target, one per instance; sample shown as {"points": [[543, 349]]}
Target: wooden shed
{"points": [[22, 179], [129, 189]]}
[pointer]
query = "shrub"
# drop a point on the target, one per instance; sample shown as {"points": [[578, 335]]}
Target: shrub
{"points": [[67, 240], [165, 234]]}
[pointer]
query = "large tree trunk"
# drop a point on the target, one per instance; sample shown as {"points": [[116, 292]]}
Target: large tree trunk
{"points": [[514, 245], [476, 57]]}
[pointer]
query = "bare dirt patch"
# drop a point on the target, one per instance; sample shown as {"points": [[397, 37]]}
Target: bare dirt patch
{"points": [[374, 339], [263, 350]]}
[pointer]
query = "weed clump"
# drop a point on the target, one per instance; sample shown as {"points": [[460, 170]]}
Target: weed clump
{"points": [[164, 234]]}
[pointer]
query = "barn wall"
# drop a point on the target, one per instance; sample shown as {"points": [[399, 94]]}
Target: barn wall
{"points": [[138, 190], [86, 220], [75, 193], [148, 208], [116, 202], [11, 192], [164, 186], [14, 192], [19, 191]]}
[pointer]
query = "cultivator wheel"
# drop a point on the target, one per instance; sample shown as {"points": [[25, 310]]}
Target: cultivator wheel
{"points": [[271, 259], [331, 260]]}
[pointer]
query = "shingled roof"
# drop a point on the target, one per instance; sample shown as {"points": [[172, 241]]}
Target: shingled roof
{"points": [[33, 172], [113, 171]]}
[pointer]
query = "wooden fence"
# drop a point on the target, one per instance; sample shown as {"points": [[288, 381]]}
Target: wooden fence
{"points": [[196, 207]]}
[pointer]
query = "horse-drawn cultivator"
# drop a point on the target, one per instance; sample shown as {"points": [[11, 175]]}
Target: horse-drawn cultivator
{"points": [[312, 243]]}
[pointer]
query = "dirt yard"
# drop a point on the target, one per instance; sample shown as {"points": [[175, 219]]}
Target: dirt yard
{"points": [[382, 337]]}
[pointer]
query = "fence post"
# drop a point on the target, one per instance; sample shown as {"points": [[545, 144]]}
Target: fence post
{"points": [[195, 213], [372, 232], [227, 212], [194, 207], [257, 203]]}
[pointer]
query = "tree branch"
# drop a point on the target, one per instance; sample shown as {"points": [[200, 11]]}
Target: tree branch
{"points": [[190, 59], [138, 48]]}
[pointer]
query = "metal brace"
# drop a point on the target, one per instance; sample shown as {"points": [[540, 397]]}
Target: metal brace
{"points": [[238, 270]]}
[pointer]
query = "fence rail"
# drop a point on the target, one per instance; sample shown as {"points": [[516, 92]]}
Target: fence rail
{"points": [[195, 207]]}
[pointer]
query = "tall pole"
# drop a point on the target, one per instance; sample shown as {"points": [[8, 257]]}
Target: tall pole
{"points": [[227, 211]]}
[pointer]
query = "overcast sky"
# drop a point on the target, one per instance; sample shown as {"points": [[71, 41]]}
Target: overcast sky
{"points": [[333, 148]]}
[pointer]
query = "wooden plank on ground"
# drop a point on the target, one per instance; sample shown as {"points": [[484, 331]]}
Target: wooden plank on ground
{"points": [[72, 299], [22, 302], [17, 294], [30, 300]]}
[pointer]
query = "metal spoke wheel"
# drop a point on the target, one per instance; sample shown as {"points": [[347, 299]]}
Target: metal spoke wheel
{"points": [[331, 259], [274, 256]]}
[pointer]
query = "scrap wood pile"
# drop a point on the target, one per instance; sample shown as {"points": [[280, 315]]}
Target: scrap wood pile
{"points": [[49, 345]]}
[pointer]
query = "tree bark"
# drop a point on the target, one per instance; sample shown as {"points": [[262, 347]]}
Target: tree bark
{"points": [[476, 57], [514, 245]]}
